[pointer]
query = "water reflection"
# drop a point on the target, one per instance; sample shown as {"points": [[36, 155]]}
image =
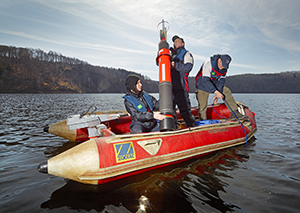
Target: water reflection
{"points": [[176, 188], [143, 204], [55, 150]]}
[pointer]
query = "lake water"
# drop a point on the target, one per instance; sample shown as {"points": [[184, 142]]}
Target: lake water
{"points": [[261, 176]]}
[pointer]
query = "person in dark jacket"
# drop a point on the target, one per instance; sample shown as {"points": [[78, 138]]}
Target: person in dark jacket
{"points": [[140, 105], [181, 65], [211, 79]]}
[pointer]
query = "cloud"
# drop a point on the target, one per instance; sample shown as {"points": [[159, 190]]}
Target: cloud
{"points": [[30, 36], [117, 33], [268, 21], [255, 20], [247, 66]]}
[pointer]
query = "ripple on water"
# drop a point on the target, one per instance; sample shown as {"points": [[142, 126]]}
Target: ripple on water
{"points": [[264, 174]]}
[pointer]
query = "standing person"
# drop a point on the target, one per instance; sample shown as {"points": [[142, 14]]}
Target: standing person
{"points": [[181, 65], [140, 106], [211, 79]]}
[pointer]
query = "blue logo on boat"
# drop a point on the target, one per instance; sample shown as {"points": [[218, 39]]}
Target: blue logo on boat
{"points": [[124, 152]]}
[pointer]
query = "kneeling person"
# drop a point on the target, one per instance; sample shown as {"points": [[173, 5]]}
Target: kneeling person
{"points": [[140, 105]]}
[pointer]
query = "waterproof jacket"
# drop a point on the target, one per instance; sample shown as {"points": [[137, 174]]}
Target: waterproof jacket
{"points": [[210, 78], [137, 113], [183, 65]]}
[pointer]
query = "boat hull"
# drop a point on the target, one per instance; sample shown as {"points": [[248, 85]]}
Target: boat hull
{"points": [[106, 159]]}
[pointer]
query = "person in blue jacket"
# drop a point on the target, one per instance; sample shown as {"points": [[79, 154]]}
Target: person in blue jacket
{"points": [[211, 79], [140, 105], [181, 65]]}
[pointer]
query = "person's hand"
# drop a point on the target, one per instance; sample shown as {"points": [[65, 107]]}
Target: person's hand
{"points": [[218, 95], [158, 116], [215, 99], [173, 64]]}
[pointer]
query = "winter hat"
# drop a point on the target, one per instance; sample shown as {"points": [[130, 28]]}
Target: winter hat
{"points": [[130, 82], [226, 59]]}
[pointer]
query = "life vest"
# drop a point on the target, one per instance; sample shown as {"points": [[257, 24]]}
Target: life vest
{"points": [[138, 105], [214, 74], [199, 74], [180, 56]]}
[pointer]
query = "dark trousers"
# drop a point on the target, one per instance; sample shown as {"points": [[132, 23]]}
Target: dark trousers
{"points": [[182, 100], [202, 98], [138, 127]]}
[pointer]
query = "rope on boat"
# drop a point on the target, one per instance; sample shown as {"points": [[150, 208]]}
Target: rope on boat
{"points": [[218, 113], [86, 112], [234, 116]]}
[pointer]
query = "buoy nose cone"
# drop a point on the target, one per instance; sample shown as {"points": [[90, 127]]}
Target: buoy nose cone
{"points": [[46, 129], [43, 167]]}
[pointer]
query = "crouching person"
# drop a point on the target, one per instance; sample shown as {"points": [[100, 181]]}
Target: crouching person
{"points": [[140, 105], [211, 79]]}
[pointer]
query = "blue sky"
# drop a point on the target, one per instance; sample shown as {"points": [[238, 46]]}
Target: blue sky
{"points": [[262, 36]]}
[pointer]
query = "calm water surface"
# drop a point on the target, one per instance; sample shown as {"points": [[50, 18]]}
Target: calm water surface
{"points": [[262, 176]]}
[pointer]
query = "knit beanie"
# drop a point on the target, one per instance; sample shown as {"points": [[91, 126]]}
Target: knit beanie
{"points": [[130, 82]]}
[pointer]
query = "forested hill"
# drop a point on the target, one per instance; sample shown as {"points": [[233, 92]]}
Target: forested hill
{"points": [[24, 70]]}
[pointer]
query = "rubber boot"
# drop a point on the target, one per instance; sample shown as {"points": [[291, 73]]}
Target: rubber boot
{"points": [[238, 115], [189, 119]]}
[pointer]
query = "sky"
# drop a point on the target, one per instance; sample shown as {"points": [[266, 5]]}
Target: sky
{"points": [[261, 36]]}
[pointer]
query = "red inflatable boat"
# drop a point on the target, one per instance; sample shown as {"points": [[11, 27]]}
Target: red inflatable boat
{"points": [[114, 156]]}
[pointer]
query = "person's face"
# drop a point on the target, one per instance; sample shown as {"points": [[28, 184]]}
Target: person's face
{"points": [[220, 64], [139, 85], [178, 43]]}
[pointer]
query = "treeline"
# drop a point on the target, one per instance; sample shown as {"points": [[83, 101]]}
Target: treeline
{"points": [[25, 70], [284, 82], [38, 54]]}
